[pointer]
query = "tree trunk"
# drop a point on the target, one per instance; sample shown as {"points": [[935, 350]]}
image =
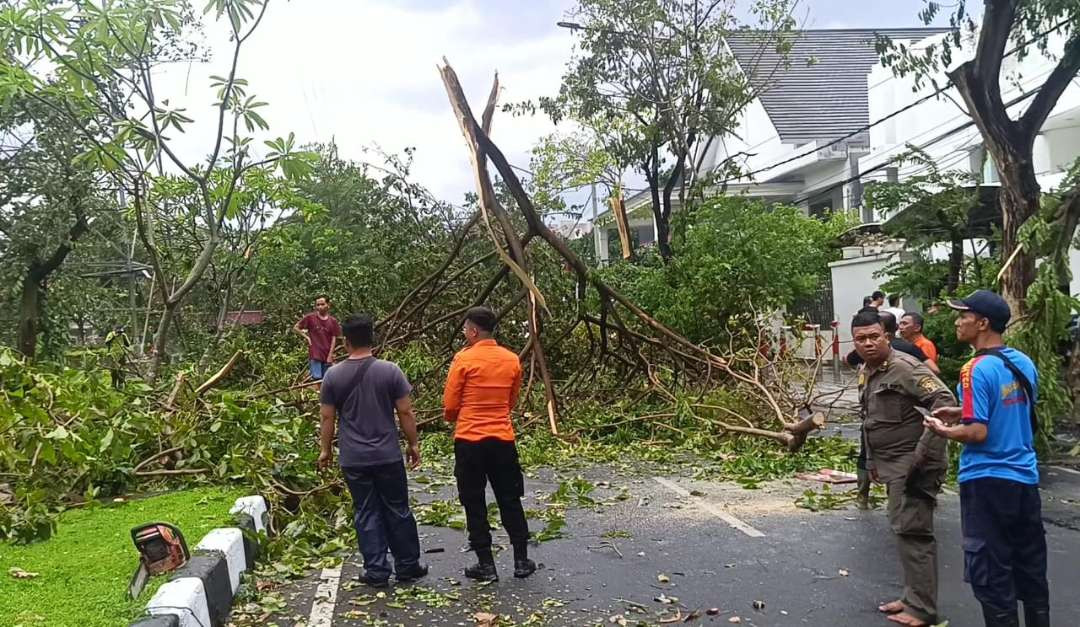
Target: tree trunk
{"points": [[663, 236], [161, 340], [956, 263], [663, 230], [33, 288], [1019, 198], [29, 314]]}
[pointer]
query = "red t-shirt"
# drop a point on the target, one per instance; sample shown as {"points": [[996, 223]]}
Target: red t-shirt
{"points": [[321, 331]]}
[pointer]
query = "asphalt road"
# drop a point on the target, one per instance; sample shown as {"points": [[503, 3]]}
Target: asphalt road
{"points": [[662, 547]]}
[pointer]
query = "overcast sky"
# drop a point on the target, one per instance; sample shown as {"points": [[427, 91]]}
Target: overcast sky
{"points": [[363, 72]]}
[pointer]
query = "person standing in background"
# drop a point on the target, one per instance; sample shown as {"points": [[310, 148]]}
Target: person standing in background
{"points": [[911, 329], [321, 332], [894, 307]]}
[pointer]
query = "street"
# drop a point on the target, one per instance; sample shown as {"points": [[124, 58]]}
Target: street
{"points": [[667, 548]]}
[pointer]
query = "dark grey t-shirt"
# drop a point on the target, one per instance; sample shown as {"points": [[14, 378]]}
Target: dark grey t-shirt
{"points": [[367, 432]]}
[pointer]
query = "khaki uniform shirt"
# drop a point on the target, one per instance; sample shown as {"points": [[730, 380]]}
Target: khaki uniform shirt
{"points": [[893, 432]]}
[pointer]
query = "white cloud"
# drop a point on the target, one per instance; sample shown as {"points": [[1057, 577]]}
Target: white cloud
{"points": [[363, 72]]}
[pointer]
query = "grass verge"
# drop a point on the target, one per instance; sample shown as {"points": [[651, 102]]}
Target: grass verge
{"points": [[83, 571]]}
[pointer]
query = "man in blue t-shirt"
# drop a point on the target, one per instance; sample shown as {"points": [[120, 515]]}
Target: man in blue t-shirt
{"points": [[1001, 511]]}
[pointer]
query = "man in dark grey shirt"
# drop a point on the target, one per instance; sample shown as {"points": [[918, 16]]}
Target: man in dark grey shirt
{"points": [[361, 395]]}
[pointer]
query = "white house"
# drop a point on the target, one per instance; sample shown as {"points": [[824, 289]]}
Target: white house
{"points": [[837, 119], [803, 136], [942, 129]]}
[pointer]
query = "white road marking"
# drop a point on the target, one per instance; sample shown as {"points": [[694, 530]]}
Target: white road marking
{"points": [[322, 608], [1064, 469], [712, 509]]}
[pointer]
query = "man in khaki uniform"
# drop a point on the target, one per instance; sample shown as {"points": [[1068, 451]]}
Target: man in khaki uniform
{"points": [[909, 459]]}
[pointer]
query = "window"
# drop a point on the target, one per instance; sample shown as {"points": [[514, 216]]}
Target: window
{"points": [[990, 171]]}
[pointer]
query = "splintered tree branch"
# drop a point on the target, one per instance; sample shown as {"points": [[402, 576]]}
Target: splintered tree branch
{"points": [[657, 336], [515, 260]]}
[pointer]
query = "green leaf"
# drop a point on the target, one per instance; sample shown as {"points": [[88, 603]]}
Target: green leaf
{"points": [[107, 440], [59, 433]]}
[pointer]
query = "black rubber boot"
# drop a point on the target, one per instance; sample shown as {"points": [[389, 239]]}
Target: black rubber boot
{"points": [[482, 572], [412, 574], [998, 618], [524, 568], [1036, 615]]}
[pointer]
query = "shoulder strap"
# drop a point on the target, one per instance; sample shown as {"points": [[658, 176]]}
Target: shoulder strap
{"points": [[358, 378], [1021, 378]]}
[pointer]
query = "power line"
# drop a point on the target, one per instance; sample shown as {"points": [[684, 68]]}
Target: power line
{"points": [[885, 164], [915, 138]]}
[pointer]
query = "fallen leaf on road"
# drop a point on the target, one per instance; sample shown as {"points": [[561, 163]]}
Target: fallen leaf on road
{"points": [[672, 619], [712, 611], [19, 573], [844, 572], [662, 578], [618, 619], [665, 599], [734, 619], [485, 619]]}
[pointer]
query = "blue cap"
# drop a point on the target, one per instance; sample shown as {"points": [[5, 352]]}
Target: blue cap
{"points": [[988, 305]]}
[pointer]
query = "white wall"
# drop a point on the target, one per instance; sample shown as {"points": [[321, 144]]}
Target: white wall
{"points": [[1062, 147], [853, 279], [939, 115]]}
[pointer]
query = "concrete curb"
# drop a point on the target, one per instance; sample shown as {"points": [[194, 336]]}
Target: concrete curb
{"points": [[200, 594]]}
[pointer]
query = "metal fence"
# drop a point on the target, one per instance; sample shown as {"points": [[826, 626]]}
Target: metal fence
{"points": [[816, 308]]}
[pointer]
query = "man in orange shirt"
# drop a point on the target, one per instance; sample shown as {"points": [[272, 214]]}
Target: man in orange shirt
{"points": [[911, 329], [481, 390]]}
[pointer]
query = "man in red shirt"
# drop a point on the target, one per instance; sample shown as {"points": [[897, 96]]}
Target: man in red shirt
{"points": [[481, 390], [321, 331]]}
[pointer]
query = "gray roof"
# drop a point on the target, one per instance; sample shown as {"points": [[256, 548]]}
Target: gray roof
{"points": [[828, 98]]}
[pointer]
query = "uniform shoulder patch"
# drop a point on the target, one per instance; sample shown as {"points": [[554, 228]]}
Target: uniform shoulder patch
{"points": [[930, 385]]}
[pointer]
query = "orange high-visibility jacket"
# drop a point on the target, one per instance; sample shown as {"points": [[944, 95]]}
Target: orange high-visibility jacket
{"points": [[481, 389]]}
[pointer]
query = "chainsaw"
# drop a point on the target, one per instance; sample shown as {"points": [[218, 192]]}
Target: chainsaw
{"points": [[162, 549]]}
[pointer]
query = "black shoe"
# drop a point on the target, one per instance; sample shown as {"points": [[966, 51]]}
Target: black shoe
{"points": [[482, 572], [524, 568], [412, 574], [373, 581]]}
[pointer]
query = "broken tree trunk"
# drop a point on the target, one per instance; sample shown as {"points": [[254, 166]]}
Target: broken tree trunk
{"points": [[681, 349], [489, 204], [618, 209]]}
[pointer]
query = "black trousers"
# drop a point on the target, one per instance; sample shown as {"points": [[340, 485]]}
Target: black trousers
{"points": [[495, 461], [382, 517], [1004, 543]]}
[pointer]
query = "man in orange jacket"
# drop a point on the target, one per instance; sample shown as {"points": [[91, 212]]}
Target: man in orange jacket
{"points": [[481, 390]]}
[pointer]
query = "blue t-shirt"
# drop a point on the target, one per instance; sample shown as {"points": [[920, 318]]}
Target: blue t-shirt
{"points": [[990, 394]]}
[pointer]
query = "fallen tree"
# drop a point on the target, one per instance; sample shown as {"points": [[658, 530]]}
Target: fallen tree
{"points": [[645, 352]]}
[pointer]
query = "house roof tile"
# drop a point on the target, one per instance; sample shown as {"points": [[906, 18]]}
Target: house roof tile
{"points": [[827, 98]]}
